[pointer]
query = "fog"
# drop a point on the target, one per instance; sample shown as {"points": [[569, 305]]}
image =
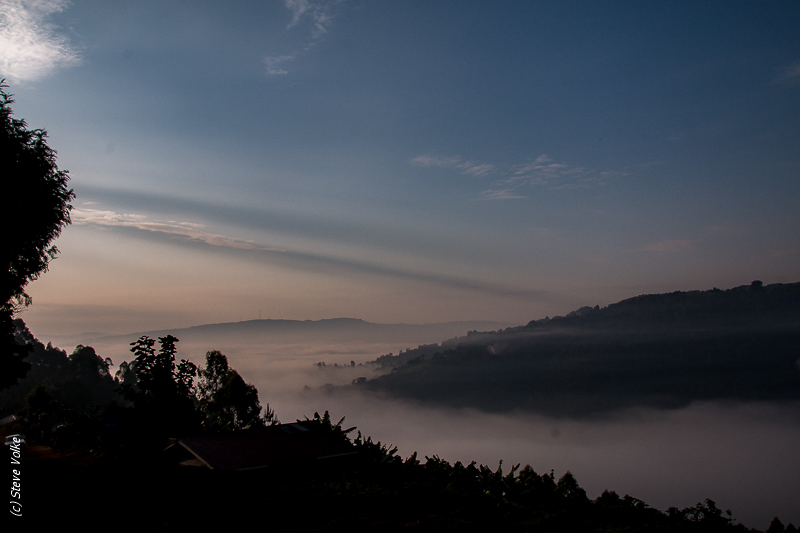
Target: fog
{"points": [[741, 455]]}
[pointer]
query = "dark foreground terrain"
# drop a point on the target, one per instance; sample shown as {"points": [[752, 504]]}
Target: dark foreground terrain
{"points": [[112, 469], [371, 491]]}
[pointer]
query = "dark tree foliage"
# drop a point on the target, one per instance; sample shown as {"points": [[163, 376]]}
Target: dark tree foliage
{"points": [[35, 210], [185, 373], [335, 429], [379, 489], [160, 391], [238, 401], [226, 401], [13, 366], [64, 399], [662, 351], [87, 363], [41, 412], [77, 381], [213, 374], [776, 526]]}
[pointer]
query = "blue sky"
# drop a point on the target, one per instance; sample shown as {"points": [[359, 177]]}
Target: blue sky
{"points": [[407, 161]]}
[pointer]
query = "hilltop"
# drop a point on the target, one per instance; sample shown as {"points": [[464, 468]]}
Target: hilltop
{"points": [[657, 350]]}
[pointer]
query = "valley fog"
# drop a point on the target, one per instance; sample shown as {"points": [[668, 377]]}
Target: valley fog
{"points": [[742, 456]]}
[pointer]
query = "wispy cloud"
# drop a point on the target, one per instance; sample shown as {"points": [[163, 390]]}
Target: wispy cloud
{"points": [[456, 162], [31, 48], [436, 161], [544, 171], [298, 8], [513, 180], [790, 74], [670, 246], [501, 194], [191, 233], [318, 14], [188, 230], [274, 64], [547, 173]]}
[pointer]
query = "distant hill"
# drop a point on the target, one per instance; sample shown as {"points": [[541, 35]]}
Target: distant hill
{"points": [[658, 350], [334, 329], [753, 306]]}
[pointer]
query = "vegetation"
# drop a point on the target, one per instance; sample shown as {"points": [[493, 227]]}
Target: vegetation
{"points": [[225, 400], [73, 402], [372, 490], [111, 430], [153, 397], [31, 218], [661, 350]]}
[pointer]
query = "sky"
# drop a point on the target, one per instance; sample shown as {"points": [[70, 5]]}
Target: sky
{"points": [[408, 161]]}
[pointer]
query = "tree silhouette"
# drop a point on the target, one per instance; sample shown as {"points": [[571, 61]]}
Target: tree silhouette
{"points": [[776, 526], [158, 389], [31, 218], [211, 377], [226, 401]]}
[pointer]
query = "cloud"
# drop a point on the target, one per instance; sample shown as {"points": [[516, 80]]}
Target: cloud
{"points": [[456, 162], [187, 230], [190, 234], [298, 8], [545, 172], [542, 172], [670, 246], [319, 14], [501, 194], [790, 74], [273, 64], [382, 235], [475, 169], [436, 161], [30, 48]]}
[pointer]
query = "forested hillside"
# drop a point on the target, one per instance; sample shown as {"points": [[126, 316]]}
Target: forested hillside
{"points": [[660, 350]]}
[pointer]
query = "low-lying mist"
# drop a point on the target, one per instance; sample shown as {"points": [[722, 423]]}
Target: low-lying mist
{"points": [[741, 455]]}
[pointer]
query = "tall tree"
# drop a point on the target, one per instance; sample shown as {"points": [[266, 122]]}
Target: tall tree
{"points": [[157, 379], [211, 377], [226, 401], [31, 218], [160, 390]]}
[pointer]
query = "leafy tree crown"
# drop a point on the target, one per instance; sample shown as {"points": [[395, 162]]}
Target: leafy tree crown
{"points": [[35, 212]]}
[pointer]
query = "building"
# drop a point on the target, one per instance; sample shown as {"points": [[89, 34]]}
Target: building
{"points": [[302, 442]]}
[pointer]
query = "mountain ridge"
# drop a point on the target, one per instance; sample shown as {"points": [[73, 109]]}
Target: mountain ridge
{"points": [[664, 350], [335, 328]]}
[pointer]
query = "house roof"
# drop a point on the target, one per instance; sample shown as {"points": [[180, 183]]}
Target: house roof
{"points": [[269, 446]]}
